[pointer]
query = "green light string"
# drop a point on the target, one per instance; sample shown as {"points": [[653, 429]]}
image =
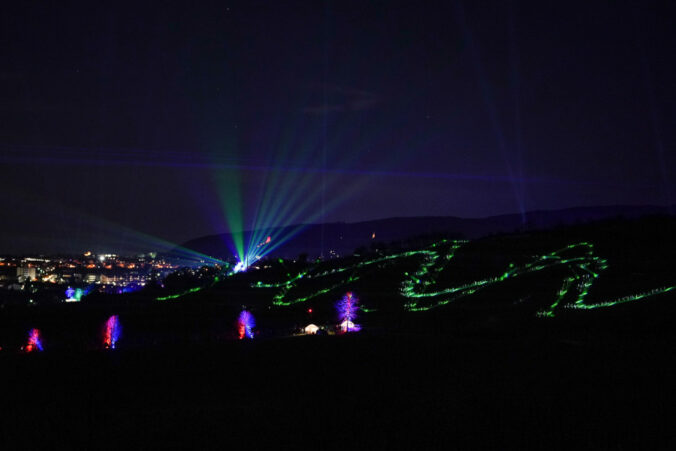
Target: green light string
{"points": [[281, 300], [188, 291], [417, 288]]}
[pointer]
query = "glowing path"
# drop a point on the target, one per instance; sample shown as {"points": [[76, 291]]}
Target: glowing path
{"points": [[583, 266], [630, 298], [281, 298], [179, 295], [418, 288], [188, 291]]}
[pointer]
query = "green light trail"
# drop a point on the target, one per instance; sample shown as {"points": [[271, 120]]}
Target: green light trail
{"points": [[181, 294], [188, 291], [417, 288], [630, 298], [280, 298]]}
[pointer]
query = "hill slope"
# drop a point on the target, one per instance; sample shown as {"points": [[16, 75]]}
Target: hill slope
{"points": [[344, 238]]}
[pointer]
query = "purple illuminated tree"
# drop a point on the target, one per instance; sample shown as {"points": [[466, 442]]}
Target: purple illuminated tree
{"points": [[245, 325], [347, 312]]}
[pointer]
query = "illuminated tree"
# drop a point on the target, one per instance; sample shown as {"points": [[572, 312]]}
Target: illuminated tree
{"points": [[347, 312], [34, 341], [111, 333], [245, 325]]}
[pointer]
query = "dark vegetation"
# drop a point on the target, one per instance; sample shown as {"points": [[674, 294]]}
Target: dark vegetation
{"points": [[482, 372]]}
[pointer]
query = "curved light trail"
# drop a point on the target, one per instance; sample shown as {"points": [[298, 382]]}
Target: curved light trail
{"points": [[419, 288]]}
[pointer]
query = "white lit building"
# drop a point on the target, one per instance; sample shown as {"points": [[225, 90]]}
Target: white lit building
{"points": [[24, 273]]}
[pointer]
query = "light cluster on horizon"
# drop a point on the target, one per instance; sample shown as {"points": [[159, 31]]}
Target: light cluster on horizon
{"points": [[82, 274]]}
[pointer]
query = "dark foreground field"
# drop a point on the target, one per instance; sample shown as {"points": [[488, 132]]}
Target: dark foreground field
{"points": [[534, 390], [483, 372]]}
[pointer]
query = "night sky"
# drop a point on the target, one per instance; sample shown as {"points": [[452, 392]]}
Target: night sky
{"points": [[139, 122]]}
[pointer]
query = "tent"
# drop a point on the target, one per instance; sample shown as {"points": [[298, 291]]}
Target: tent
{"points": [[311, 329], [349, 326]]}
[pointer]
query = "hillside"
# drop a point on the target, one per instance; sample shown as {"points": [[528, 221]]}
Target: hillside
{"points": [[561, 277], [344, 238], [554, 339]]}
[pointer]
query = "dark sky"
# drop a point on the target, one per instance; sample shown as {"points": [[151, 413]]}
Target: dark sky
{"points": [[138, 121]]}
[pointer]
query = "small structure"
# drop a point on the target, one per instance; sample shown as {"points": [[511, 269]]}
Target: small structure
{"points": [[311, 329], [349, 326]]}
